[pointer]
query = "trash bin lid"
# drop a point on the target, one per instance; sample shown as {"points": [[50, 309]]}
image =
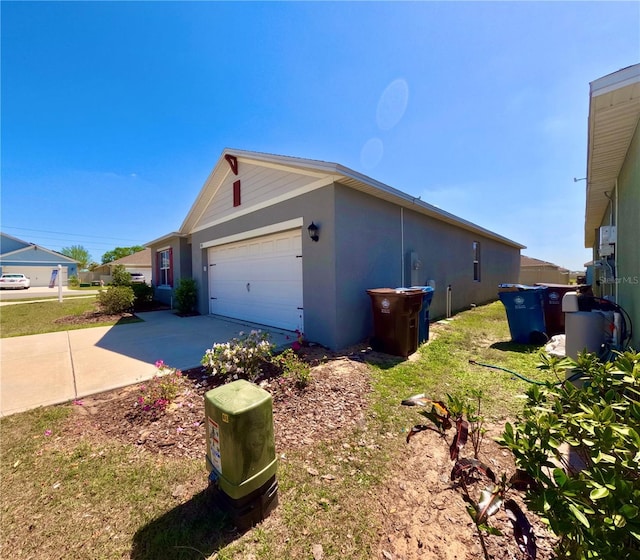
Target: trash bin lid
{"points": [[394, 291], [423, 288], [519, 287]]}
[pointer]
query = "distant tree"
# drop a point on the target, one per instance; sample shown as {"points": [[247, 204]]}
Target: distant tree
{"points": [[120, 252], [92, 266], [77, 253]]}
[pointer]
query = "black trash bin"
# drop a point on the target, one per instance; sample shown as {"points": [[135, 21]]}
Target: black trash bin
{"points": [[427, 296], [525, 312], [395, 320]]}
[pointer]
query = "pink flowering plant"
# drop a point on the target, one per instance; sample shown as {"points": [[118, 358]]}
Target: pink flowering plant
{"points": [[299, 342], [240, 358], [161, 390]]}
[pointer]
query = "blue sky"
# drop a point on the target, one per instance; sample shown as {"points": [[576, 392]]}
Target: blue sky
{"points": [[113, 114]]}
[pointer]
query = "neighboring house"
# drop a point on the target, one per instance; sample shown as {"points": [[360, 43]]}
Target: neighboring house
{"points": [[533, 271], [138, 262], [249, 243], [33, 260], [612, 218]]}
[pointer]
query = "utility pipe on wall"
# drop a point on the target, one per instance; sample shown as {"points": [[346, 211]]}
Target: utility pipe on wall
{"points": [[402, 247], [615, 254], [448, 301]]}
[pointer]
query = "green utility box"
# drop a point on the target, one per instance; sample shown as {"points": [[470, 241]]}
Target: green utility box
{"points": [[241, 455]]}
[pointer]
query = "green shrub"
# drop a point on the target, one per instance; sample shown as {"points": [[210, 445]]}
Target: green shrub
{"points": [[292, 366], [143, 295], [116, 299], [74, 282], [119, 276], [595, 508], [186, 295]]}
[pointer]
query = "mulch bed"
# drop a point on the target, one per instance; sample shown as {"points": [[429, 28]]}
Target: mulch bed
{"points": [[335, 399]]}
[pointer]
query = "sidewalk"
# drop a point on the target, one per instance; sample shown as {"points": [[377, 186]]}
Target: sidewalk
{"points": [[12, 297], [52, 368]]}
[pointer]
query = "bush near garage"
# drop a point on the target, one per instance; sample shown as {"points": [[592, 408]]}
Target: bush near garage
{"points": [[186, 295], [143, 296], [116, 299]]}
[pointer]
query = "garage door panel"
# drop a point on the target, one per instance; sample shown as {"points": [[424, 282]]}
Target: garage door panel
{"points": [[259, 280], [40, 276]]}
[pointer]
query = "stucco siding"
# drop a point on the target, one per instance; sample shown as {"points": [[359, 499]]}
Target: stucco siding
{"points": [[446, 257], [376, 242], [318, 257], [368, 255], [628, 245], [368, 235]]}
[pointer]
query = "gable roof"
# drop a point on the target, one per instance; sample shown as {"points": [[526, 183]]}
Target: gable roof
{"points": [[15, 242], [531, 262], [614, 112], [326, 173], [31, 247], [141, 258]]}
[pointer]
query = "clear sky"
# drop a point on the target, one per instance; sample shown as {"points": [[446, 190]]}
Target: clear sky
{"points": [[114, 113]]}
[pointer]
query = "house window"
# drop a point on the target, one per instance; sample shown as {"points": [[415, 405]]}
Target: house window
{"points": [[476, 261], [165, 268]]}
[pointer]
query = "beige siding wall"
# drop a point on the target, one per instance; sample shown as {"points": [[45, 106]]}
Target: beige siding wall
{"points": [[260, 186]]}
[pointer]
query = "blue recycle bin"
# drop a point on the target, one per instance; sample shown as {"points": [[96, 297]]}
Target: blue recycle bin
{"points": [[525, 312], [423, 330]]}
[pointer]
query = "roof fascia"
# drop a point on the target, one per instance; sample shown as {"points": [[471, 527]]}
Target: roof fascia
{"points": [[32, 247], [339, 170], [165, 238]]}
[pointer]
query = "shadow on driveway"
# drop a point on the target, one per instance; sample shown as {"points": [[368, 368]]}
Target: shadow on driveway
{"points": [[179, 342]]}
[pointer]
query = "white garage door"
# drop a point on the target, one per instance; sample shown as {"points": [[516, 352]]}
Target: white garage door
{"points": [[39, 275], [259, 280]]}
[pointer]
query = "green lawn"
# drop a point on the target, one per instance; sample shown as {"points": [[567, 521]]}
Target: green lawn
{"points": [[40, 317], [71, 494]]}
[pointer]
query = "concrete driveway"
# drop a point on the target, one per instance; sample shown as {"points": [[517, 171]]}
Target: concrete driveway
{"points": [[53, 368]]}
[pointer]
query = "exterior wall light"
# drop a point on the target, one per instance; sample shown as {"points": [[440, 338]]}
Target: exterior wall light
{"points": [[313, 232]]}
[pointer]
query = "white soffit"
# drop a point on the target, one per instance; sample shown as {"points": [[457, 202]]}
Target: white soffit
{"points": [[614, 110]]}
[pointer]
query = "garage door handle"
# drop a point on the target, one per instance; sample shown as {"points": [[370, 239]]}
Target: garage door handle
{"points": [[213, 298], [300, 308]]}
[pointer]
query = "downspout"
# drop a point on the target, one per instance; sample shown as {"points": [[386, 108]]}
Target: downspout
{"points": [[402, 246]]}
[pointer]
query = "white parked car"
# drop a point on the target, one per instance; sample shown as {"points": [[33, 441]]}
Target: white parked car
{"points": [[138, 278], [14, 282]]}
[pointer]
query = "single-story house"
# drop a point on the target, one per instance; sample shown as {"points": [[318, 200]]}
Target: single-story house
{"points": [[533, 271], [295, 243], [139, 262], [612, 216], [36, 262]]}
